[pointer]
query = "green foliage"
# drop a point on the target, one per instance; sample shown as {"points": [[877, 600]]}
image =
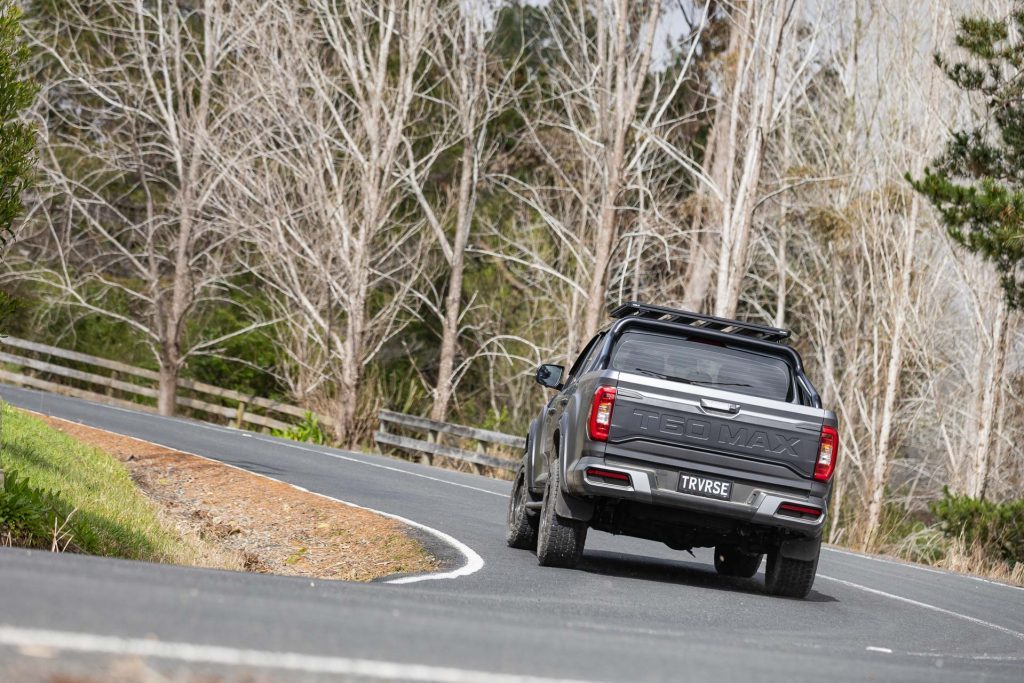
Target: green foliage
{"points": [[309, 431], [977, 184], [17, 138], [996, 527], [9, 307], [397, 386], [32, 515], [244, 362]]}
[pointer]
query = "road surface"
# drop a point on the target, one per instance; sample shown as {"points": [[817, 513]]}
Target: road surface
{"points": [[633, 611]]}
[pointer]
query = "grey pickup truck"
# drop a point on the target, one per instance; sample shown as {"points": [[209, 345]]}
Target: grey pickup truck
{"points": [[686, 429]]}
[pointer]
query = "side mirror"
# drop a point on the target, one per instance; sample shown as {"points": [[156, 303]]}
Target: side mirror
{"points": [[550, 375]]}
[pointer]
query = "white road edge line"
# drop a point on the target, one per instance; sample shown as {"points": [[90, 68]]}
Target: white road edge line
{"points": [[474, 562], [925, 605], [239, 432], [381, 466], [919, 567], [229, 656]]}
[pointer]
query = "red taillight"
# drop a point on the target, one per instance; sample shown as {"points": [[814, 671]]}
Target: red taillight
{"points": [[608, 474], [601, 413], [800, 509], [828, 454]]}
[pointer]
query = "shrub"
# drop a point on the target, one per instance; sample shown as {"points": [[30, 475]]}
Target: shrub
{"points": [[29, 516], [86, 491], [309, 430], [996, 527]]}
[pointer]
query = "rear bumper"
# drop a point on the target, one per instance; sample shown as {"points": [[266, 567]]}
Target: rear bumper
{"points": [[752, 501]]}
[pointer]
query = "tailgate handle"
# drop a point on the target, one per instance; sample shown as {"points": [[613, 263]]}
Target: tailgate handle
{"points": [[719, 406]]}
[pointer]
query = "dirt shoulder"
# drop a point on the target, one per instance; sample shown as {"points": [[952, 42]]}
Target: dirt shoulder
{"points": [[239, 520]]}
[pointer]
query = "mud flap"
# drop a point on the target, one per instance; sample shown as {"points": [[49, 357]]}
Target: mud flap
{"points": [[570, 507], [805, 549], [531, 458]]}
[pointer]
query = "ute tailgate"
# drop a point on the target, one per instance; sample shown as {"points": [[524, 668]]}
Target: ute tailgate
{"points": [[730, 429]]}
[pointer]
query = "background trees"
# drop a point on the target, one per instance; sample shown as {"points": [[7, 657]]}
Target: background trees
{"points": [[17, 137], [976, 182], [137, 136], [410, 203]]}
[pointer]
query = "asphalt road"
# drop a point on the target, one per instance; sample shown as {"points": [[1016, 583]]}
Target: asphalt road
{"points": [[633, 611]]}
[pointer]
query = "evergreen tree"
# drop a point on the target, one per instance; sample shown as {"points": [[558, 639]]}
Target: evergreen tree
{"points": [[17, 138], [977, 184]]}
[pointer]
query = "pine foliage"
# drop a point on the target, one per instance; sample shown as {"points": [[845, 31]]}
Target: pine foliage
{"points": [[977, 183], [17, 137]]}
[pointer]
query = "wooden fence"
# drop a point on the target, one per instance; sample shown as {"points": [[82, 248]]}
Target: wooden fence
{"points": [[39, 365], [129, 380], [493, 449]]}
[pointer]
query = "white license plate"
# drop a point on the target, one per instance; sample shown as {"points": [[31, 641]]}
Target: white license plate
{"points": [[705, 486]]}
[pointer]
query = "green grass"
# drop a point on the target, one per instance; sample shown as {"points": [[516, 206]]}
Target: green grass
{"points": [[56, 477]]}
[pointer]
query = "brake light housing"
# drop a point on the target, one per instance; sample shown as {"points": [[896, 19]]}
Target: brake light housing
{"points": [[601, 413], [799, 510], [828, 454], [609, 476]]}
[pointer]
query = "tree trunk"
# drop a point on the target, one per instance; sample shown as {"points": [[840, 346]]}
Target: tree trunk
{"points": [[627, 89], [732, 263], [602, 254], [718, 157], [783, 244], [880, 471], [989, 405], [698, 272], [453, 300], [168, 390]]}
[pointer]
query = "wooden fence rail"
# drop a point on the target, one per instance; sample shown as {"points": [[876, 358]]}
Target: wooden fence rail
{"points": [[117, 380], [492, 449], [433, 444]]}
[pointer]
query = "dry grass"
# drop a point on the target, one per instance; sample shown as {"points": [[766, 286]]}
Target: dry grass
{"points": [[930, 547], [239, 520], [972, 560]]}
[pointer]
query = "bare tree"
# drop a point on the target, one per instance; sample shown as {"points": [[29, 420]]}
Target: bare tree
{"points": [[766, 66], [137, 123], [473, 89], [340, 88], [602, 124]]}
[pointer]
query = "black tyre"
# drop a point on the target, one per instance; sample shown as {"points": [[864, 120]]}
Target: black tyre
{"points": [[559, 541], [521, 525], [732, 561], [790, 578]]}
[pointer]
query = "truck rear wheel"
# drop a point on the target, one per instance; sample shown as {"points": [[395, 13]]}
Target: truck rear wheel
{"points": [[789, 577], [559, 541], [521, 526], [732, 561]]}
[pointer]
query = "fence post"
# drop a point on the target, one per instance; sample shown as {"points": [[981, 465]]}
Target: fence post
{"points": [[480, 448], [240, 415], [427, 458]]}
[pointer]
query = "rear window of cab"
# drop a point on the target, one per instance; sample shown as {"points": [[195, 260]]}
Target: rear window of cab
{"points": [[703, 364]]}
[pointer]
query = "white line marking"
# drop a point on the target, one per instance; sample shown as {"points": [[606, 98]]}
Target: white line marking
{"points": [[930, 570], [381, 466], [872, 648], [229, 656], [925, 605], [980, 658], [474, 562], [249, 435]]}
